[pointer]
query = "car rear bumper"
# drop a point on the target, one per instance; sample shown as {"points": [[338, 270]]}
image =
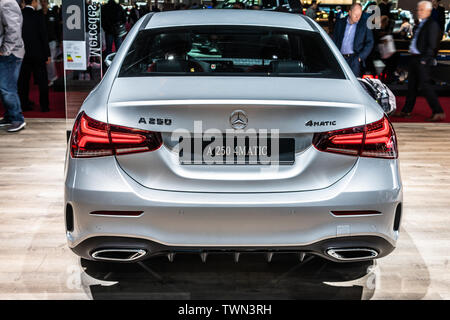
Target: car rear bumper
{"points": [[89, 247], [293, 221]]}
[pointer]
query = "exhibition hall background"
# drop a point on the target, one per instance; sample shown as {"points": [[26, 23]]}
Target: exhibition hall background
{"points": [[36, 262], [70, 87]]}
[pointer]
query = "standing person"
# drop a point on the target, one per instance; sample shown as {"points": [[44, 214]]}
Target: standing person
{"points": [[11, 55], [331, 21], [438, 15], [447, 30], [54, 38], [385, 8], [296, 6], [423, 51], [113, 23], [37, 56], [312, 10], [353, 38], [339, 13], [406, 29], [134, 14], [385, 49]]}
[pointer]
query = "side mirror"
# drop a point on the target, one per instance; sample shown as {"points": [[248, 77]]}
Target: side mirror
{"points": [[381, 93], [109, 59]]}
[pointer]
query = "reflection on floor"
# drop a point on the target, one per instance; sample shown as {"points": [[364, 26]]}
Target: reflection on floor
{"points": [[35, 262], [221, 278]]}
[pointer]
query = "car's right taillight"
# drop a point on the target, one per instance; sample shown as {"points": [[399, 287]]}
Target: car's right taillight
{"points": [[375, 140], [93, 138]]}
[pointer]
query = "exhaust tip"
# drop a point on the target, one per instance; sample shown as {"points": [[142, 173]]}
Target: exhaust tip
{"points": [[352, 254], [119, 255]]}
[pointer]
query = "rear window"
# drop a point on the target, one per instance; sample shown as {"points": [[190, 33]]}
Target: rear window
{"points": [[230, 51]]}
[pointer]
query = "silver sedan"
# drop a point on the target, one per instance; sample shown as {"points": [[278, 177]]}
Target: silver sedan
{"points": [[231, 131]]}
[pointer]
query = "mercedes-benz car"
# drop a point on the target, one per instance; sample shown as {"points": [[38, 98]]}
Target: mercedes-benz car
{"points": [[231, 131]]}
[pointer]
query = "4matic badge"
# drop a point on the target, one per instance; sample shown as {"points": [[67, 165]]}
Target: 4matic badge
{"points": [[311, 123]]}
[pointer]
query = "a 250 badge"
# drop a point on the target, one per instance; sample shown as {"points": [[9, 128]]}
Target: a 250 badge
{"points": [[157, 121]]}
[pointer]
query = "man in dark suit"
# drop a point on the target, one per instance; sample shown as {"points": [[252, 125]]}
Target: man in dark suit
{"points": [[353, 38], [423, 49], [438, 14], [37, 55], [113, 23]]}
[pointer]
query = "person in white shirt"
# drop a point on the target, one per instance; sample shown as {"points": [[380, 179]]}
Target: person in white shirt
{"points": [[12, 51]]}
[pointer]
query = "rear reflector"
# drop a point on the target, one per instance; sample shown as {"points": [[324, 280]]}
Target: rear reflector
{"points": [[117, 213], [92, 138], [355, 213], [375, 140]]}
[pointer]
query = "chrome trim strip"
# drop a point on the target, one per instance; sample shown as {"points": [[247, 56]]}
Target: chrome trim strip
{"points": [[230, 102]]}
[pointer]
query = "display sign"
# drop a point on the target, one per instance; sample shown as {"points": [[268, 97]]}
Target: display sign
{"points": [[74, 35], [74, 55]]}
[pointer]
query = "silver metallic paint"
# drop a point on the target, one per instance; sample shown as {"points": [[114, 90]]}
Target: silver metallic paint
{"points": [[291, 208]]}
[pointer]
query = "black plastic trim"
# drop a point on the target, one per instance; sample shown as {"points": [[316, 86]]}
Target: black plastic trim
{"points": [[398, 217], [146, 20], [381, 245], [69, 217], [310, 22]]}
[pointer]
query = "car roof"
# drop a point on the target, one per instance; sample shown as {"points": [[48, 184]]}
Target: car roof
{"points": [[229, 17]]}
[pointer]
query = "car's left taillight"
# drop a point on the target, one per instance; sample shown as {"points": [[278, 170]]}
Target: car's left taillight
{"points": [[93, 138]]}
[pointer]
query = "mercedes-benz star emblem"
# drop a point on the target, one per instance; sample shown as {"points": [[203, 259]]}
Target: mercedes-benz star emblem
{"points": [[238, 119]]}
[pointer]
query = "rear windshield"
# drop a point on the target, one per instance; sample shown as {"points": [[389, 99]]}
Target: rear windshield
{"points": [[230, 51]]}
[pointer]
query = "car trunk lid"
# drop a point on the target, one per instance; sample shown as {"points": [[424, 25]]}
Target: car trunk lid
{"points": [[295, 108]]}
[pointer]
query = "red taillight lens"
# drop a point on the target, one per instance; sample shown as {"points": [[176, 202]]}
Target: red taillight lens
{"points": [[375, 140], [92, 138], [345, 141], [128, 140], [380, 140], [117, 213], [355, 213]]}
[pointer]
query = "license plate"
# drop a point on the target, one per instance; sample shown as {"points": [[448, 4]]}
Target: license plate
{"points": [[235, 150]]}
